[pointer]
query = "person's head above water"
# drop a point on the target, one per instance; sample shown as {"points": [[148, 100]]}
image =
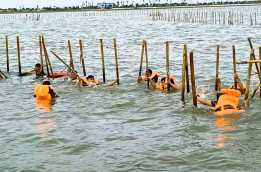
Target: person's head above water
{"points": [[149, 72], [37, 67], [73, 75], [90, 78], [46, 83]]}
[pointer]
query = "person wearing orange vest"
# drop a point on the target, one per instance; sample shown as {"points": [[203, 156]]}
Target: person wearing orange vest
{"points": [[91, 81], [166, 86], [153, 76], [227, 101], [45, 91]]}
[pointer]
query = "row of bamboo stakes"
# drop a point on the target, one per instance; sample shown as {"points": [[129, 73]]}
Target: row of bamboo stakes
{"points": [[213, 16], [185, 72], [42, 48]]}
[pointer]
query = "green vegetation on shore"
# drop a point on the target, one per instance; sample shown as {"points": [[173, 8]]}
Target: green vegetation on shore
{"points": [[117, 7]]}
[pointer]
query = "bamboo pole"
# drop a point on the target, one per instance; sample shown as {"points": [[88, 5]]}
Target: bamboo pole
{"points": [[254, 58], [260, 68], [167, 64], [249, 61], [70, 52], [183, 77], [7, 53], [234, 65], [66, 64], [103, 64], [18, 52], [147, 63], [116, 61], [217, 69], [193, 85], [47, 58], [41, 53], [82, 58], [186, 68], [141, 59], [2, 74], [249, 75]]}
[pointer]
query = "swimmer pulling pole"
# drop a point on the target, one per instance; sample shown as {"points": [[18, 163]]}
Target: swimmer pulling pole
{"points": [[194, 96], [234, 65], [217, 69], [18, 52], [103, 64], [7, 53], [82, 58], [183, 76], [116, 61], [70, 52], [141, 59], [249, 75], [147, 63], [47, 58]]}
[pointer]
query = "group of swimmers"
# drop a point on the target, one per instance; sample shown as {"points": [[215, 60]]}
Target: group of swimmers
{"points": [[226, 103]]}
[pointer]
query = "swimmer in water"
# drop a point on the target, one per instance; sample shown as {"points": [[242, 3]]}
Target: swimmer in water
{"points": [[153, 76], [37, 71], [45, 91], [91, 81]]}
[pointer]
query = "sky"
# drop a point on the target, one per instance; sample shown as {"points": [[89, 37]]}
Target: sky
{"points": [[4, 4]]}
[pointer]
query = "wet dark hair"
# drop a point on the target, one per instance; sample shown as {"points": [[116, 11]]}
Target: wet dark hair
{"points": [[38, 64], [46, 83], [90, 76], [150, 71], [163, 79]]}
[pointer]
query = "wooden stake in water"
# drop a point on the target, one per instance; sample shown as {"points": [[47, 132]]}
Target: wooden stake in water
{"points": [[249, 75], [167, 64], [193, 85], [187, 72], [70, 52], [147, 64], [183, 77], [18, 52], [7, 53], [234, 65], [254, 58], [48, 63], [116, 61], [103, 64], [260, 68], [82, 58], [217, 69], [41, 53], [141, 59]]}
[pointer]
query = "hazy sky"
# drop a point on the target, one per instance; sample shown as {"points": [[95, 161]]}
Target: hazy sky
{"points": [[62, 3]]}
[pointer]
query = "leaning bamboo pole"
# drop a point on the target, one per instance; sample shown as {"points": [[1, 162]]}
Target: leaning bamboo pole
{"points": [[147, 64], [41, 53], [47, 57], [141, 59], [70, 52], [193, 85], [82, 58]]}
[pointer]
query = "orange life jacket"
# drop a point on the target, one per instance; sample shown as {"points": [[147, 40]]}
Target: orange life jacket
{"points": [[42, 91], [96, 82], [165, 85], [227, 102]]}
